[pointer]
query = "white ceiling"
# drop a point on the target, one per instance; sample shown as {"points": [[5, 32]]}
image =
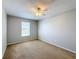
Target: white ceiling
{"points": [[23, 8]]}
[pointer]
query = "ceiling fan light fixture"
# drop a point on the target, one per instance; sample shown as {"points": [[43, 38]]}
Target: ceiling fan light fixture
{"points": [[39, 10], [39, 14]]}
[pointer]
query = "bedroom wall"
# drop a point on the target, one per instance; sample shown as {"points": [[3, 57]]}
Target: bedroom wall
{"points": [[14, 30], [4, 31], [60, 30]]}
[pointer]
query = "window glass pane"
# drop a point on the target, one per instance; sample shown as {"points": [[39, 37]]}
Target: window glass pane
{"points": [[25, 29]]}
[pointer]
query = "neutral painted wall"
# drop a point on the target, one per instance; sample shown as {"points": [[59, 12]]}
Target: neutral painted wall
{"points": [[60, 30], [4, 31], [14, 30]]}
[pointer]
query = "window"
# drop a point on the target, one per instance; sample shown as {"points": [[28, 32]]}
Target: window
{"points": [[25, 29]]}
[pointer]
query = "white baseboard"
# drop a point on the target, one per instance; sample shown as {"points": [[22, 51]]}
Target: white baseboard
{"points": [[4, 52], [46, 42], [19, 42], [60, 47]]}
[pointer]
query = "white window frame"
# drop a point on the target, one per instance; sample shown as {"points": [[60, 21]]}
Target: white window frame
{"points": [[25, 29]]}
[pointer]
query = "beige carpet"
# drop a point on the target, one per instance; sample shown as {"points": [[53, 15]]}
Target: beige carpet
{"points": [[36, 50]]}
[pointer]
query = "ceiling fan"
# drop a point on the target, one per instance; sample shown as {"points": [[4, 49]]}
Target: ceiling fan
{"points": [[39, 10], [40, 6]]}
